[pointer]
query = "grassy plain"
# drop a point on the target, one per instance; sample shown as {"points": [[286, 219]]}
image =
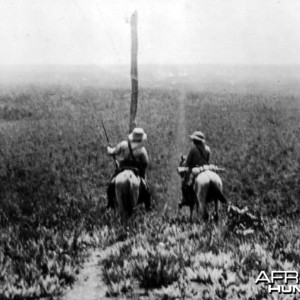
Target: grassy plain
{"points": [[256, 138], [54, 170]]}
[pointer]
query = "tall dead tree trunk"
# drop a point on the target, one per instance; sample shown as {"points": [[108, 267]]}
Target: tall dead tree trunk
{"points": [[134, 72]]}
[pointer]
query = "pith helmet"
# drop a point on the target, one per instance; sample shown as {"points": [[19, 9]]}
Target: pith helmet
{"points": [[198, 136], [138, 135]]}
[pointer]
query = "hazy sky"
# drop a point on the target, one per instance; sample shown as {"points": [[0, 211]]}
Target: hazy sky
{"points": [[177, 31]]}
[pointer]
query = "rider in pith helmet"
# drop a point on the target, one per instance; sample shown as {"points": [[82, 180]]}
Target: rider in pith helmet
{"points": [[130, 154], [198, 156]]}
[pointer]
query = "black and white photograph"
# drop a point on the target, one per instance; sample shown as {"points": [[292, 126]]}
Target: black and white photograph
{"points": [[149, 149]]}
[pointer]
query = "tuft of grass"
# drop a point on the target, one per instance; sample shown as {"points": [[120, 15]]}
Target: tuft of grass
{"points": [[199, 260]]}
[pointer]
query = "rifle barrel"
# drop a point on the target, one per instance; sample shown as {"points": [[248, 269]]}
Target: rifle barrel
{"points": [[107, 138], [108, 143]]}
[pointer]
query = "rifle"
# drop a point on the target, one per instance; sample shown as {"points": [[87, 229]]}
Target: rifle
{"points": [[108, 143]]}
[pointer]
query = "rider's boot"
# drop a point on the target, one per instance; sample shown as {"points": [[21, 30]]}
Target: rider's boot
{"points": [[145, 195], [186, 193]]}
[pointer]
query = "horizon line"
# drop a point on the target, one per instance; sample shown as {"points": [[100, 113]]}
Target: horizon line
{"points": [[149, 64]]}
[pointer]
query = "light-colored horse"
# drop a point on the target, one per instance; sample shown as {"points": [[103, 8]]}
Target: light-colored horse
{"points": [[207, 188], [127, 194]]}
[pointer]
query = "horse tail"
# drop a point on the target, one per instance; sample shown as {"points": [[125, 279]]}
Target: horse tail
{"points": [[127, 198], [216, 192]]}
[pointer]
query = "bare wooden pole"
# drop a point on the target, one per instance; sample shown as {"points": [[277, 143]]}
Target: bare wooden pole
{"points": [[134, 72]]}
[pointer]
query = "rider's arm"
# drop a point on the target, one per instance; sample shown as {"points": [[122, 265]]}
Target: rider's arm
{"points": [[144, 158], [116, 150], [111, 150], [143, 161]]}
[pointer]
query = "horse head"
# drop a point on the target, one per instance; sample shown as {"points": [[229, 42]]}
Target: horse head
{"points": [[181, 169]]}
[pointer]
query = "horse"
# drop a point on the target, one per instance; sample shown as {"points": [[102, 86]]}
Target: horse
{"points": [[128, 191], [207, 187]]}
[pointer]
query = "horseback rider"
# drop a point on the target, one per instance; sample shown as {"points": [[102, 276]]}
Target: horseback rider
{"points": [[198, 156], [130, 155]]}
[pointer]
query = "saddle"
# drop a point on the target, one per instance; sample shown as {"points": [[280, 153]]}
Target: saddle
{"points": [[119, 170], [135, 170]]}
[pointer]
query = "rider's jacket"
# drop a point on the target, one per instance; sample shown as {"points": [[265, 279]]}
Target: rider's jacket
{"points": [[125, 159], [198, 156]]}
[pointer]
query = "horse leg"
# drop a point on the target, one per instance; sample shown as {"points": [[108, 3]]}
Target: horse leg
{"points": [[197, 205], [123, 216], [202, 203], [121, 205], [191, 211], [205, 214], [216, 215]]}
